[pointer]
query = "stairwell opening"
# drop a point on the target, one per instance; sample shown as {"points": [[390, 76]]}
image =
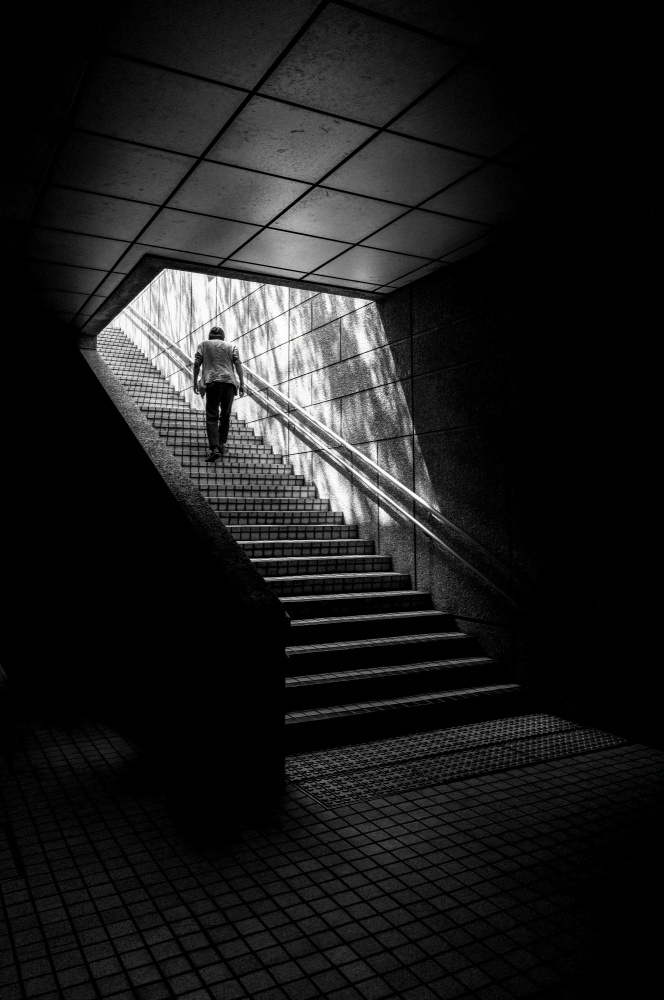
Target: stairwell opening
{"points": [[370, 654], [331, 354]]}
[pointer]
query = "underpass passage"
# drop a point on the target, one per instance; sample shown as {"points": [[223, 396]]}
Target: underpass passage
{"points": [[369, 656]]}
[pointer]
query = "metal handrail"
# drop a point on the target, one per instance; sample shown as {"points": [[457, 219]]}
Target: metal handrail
{"points": [[154, 333], [431, 511], [168, 346]]}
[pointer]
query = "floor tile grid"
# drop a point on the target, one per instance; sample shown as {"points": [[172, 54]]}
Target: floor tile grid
{"points": [[331, 820], [81, 896], [262, 866], [163, 876]]}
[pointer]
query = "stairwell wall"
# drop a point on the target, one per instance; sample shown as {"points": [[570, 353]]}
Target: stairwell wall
{"points": [[417, 382], [477, 387]]}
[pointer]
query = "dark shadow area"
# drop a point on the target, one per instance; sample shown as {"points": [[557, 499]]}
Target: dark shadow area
{"points": [[117, 609], [529, 420]]}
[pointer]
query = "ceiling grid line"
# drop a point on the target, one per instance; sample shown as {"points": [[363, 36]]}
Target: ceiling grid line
{"points": [[347, 148], [321, 6]]}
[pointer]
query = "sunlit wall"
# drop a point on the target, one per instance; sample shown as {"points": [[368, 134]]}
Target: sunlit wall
{"points": [[328, 353]]}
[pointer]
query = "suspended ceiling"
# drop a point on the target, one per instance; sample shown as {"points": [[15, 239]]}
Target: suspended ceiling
{"points": [[355, 146]]}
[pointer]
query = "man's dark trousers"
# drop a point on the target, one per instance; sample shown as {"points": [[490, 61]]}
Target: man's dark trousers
{"points": [[219, 398]]}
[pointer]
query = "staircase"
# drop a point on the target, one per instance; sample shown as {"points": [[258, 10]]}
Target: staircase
{"points": [[369, 656]]}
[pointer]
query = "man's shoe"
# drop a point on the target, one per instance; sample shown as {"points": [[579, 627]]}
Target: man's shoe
{"points": [[213, 456]]}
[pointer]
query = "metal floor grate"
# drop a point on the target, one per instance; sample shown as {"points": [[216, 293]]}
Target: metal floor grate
{"points": [[392, 766]]}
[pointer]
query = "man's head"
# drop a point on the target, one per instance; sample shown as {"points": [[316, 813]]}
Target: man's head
{"points": [[216, 333]]}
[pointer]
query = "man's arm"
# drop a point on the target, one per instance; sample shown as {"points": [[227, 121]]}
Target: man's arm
{"points": [[198, 361], [240, 374]]}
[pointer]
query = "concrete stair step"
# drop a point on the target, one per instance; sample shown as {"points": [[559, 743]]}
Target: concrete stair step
{"points": [[193, 418], [380, 652], [198, 439], [266, 466], [345, 628], [303, 606], [280, 517], [259, 532], [170, 422], [145, 396], [237, 503], [309, 565], [237, 438], [236, 469], [176, 407], [387, 681], [152, 381], [289, 548], [337, 583], [239, 458], [216, 473], [195, 431], [130, 371], [237, 487], [236, 450], [338, 725]]}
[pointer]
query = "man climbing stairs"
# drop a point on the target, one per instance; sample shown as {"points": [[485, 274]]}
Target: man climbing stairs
{"points": [[369, 656]]}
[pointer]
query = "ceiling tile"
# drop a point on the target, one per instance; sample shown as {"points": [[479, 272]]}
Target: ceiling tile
{"points": [[90, 307], [419, 273], [400, 169], [337, 215], [111, 283], [238, 194], [494, 194], [282, 139], [234, 43], [280, 272], [425, 234], [303, 253], [348, 63], [139, 250], [74, 248], [93, 214], [108, 166], [153, 106], [473, 110], [197, 233], [63, 276], [69, 302], [367, 264], [473, 247], [466, 22]]}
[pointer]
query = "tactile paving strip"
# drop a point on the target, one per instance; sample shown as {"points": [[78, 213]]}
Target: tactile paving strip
{"points": [[401, 764]]}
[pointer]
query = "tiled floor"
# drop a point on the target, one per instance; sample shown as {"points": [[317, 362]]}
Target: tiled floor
{"points": [[528, 882]]}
